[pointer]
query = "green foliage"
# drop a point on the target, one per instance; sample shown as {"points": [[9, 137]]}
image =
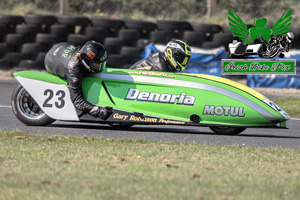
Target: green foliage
{"points": [[184, 10], [29, 6]]}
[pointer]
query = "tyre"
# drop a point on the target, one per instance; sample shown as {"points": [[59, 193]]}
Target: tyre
{"points": [[32, 49], [41, 57], [139, 25], [223, 38], [161, 37], [44, 38], [39, 19], [132, 53], [73, 20], [129, 36], [211, 45], [113, 25], [96, 33], [13, 58], [226, 130], [28, 29], [193, 38], [78, 40], [15, 39], [61, 30], [173, 25], [113, 45], [143, 27], [3, 29], [26, 109], [5, 64], [30, 64], [107, 23], [11, 19], [117, 61], [207, 28], [3, 49], [142, 43]]}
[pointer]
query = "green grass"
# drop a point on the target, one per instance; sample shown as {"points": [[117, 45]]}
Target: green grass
{"points": [[291, 105], [69, 167]]}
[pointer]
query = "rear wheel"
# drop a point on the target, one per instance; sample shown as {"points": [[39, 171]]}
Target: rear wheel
{"points": [[27, 110], [226, 130]]}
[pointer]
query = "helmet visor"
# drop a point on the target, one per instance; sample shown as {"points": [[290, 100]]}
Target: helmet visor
{"points": [[182, 59], [93, 66], [96, 67]]}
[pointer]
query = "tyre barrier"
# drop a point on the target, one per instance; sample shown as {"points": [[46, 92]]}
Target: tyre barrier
{"points": [[97, 33], [24, 40], [113, 45], [130, 36], [161, 36], [144, 28]]}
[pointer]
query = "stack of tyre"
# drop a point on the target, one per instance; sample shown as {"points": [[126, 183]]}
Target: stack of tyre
{"points": [[206, 36], [26, 39]]}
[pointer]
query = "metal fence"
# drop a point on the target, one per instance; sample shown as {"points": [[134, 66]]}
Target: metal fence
{"points": [[204, 11]]}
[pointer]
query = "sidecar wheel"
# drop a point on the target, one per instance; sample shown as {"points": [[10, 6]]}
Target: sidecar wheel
{"points": [[226, 130], [27, 110]]}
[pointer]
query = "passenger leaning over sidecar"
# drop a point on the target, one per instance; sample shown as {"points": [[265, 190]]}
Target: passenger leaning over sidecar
{"points": [[73, 63], [174, 59]]}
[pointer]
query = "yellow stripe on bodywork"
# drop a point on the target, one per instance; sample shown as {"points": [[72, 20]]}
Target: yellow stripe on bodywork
{"points": [[229, 82]]}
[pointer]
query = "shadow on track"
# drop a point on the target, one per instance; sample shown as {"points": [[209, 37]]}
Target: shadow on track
{"points": [[268, 136], [174, 130], [133, 129]]}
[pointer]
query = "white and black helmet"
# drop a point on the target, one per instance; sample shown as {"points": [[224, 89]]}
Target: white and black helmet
{"points": [[289, 37]]}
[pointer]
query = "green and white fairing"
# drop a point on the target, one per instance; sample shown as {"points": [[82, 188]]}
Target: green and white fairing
{"points": [[139, 97]]}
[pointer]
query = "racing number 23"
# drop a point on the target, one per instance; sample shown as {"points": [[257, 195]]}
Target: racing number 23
{"points": [[60, 103]]}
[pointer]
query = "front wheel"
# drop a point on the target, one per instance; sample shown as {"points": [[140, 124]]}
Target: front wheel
{"points": [[27, 110], [226, 130]]}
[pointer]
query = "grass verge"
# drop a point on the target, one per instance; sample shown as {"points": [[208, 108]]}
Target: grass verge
{"points": [[291, 105], [70, 167]]}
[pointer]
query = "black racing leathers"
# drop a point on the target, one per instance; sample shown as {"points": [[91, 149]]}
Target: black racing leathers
{"points": [[62, 60], [155, 62]]}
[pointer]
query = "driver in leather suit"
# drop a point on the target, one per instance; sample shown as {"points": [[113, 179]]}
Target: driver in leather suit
{"points": [[174, 59], [73, 63]]}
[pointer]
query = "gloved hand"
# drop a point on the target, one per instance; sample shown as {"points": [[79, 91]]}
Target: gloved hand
{"points": [[102, 112]]}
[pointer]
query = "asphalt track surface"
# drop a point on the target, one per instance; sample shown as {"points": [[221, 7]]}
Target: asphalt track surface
{"points": [[283, 138]]}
